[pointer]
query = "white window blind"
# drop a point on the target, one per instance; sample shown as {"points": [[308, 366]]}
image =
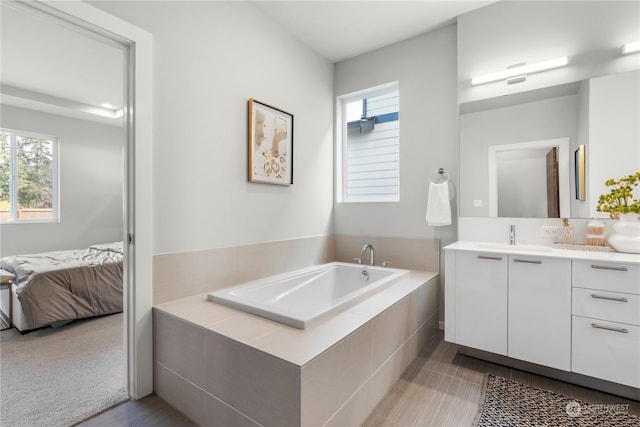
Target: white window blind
{"points": [[371, 158]]}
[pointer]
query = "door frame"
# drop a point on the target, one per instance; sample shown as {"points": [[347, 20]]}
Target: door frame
{"points": [[137, 212]]}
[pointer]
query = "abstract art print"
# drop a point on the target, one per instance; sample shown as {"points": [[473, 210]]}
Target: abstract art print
{"points": [[270, 144]]}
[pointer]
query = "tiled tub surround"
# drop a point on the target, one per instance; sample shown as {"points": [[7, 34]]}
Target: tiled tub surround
{"points": [[181, 274], [221, 366]]}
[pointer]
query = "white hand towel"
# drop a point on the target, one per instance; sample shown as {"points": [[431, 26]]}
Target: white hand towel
{"points": [[438, 205]]}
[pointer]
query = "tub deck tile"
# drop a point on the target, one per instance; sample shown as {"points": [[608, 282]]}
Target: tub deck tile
{"points": [[300, 346]]}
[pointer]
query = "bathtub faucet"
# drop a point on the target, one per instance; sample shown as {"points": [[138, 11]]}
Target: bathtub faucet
{"points": [[364, 251]]}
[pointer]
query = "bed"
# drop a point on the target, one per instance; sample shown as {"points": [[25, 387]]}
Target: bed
{"points": [[53, 288]]}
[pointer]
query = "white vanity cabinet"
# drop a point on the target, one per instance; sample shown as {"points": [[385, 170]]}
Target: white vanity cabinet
{"points": [[577, 312], [480, 300], [539, 322], [606, 321]]}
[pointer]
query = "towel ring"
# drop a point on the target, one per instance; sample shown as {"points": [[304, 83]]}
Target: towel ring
{"points": [[441, 175]]}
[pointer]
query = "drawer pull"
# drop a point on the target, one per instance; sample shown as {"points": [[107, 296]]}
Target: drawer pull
{"points": [[621, 330], [495, 258], [619, 299], [606, 267], [527, 261]]}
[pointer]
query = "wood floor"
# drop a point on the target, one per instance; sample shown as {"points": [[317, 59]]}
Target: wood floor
{"points": [[440, 388]]}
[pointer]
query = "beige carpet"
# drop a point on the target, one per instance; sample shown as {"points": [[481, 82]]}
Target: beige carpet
{"points": [[509, 403], [58, 376]]}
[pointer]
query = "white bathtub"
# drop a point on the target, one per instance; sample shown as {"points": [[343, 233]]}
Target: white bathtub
{"points": [[304, 297]]}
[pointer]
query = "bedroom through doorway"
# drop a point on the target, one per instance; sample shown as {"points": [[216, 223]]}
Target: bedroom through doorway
{"points": [[64, 82]]}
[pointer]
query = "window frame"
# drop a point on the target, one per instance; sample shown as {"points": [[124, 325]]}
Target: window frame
{"points": [[341, 141], [13, 186]]}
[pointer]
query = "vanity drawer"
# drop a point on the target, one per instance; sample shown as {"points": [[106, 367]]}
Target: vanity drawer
{"points": [[606, 275], [606, 350], [612, 306]]}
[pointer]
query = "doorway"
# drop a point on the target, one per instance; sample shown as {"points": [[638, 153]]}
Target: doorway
{"points": [[137, 212]]}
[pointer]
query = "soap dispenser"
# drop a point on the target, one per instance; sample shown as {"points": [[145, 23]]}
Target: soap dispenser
{"points": [[565, 232]]}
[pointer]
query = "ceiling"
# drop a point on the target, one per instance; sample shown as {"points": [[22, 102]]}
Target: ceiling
{"points": [[339, 30], [48, 67]]}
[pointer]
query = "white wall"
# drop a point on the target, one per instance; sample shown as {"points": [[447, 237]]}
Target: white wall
{"points": [[209, 59], [90, 183], [614, 133], [425, 67]]}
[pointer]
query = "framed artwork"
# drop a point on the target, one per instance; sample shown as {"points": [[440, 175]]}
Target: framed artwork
{"points": [[270, 144], [579, 163]]}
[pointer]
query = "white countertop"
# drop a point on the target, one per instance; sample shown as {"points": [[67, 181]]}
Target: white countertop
{"points": [[297, 346], [543, 251]]}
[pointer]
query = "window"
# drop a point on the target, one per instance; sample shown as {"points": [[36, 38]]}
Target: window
{"points": [[369, 145], [28, 177]]}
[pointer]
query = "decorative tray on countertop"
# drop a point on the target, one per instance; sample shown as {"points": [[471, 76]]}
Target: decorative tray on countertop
{"points": [[582, 247]]}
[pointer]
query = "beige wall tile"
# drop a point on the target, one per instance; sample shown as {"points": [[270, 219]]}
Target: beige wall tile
{"points": [[355, 410], [424, 303], [310, 251], [331, 378], [261, 260], [412, 254], [180, 393], [396, 319], [179, 346], [424, 335], [218, 414], [188, 273], [348, 247], [264, 388], [387, 375]]}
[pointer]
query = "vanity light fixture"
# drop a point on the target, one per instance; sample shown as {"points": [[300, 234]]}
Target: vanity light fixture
{"points": [[520, 71], [632, 47]]}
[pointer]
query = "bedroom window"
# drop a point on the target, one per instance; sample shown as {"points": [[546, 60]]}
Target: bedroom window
{"points": [[368, 150], [28, 177]]}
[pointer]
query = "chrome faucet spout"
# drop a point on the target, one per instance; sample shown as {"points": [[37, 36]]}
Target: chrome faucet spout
{"points": [[364, 251], [512, 234]]}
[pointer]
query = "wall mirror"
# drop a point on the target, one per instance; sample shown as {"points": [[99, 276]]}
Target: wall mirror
{"points": [[529, 179], [593, 102]]}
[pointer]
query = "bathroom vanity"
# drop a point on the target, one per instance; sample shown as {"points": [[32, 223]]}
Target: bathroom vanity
{"points": [[570, 314]]}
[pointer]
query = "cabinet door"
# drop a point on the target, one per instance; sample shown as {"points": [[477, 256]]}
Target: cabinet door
{"points": [[540, 310], [481, 301], [606, 350]]}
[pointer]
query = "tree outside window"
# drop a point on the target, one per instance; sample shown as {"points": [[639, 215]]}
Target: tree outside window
{"points": [[27, 177]]}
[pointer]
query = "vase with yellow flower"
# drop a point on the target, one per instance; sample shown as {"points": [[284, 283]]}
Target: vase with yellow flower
{"points": [[623, 206]]}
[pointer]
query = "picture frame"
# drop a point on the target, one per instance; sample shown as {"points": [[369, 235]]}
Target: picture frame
{"points": [[270, 144], [579, 161]]}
